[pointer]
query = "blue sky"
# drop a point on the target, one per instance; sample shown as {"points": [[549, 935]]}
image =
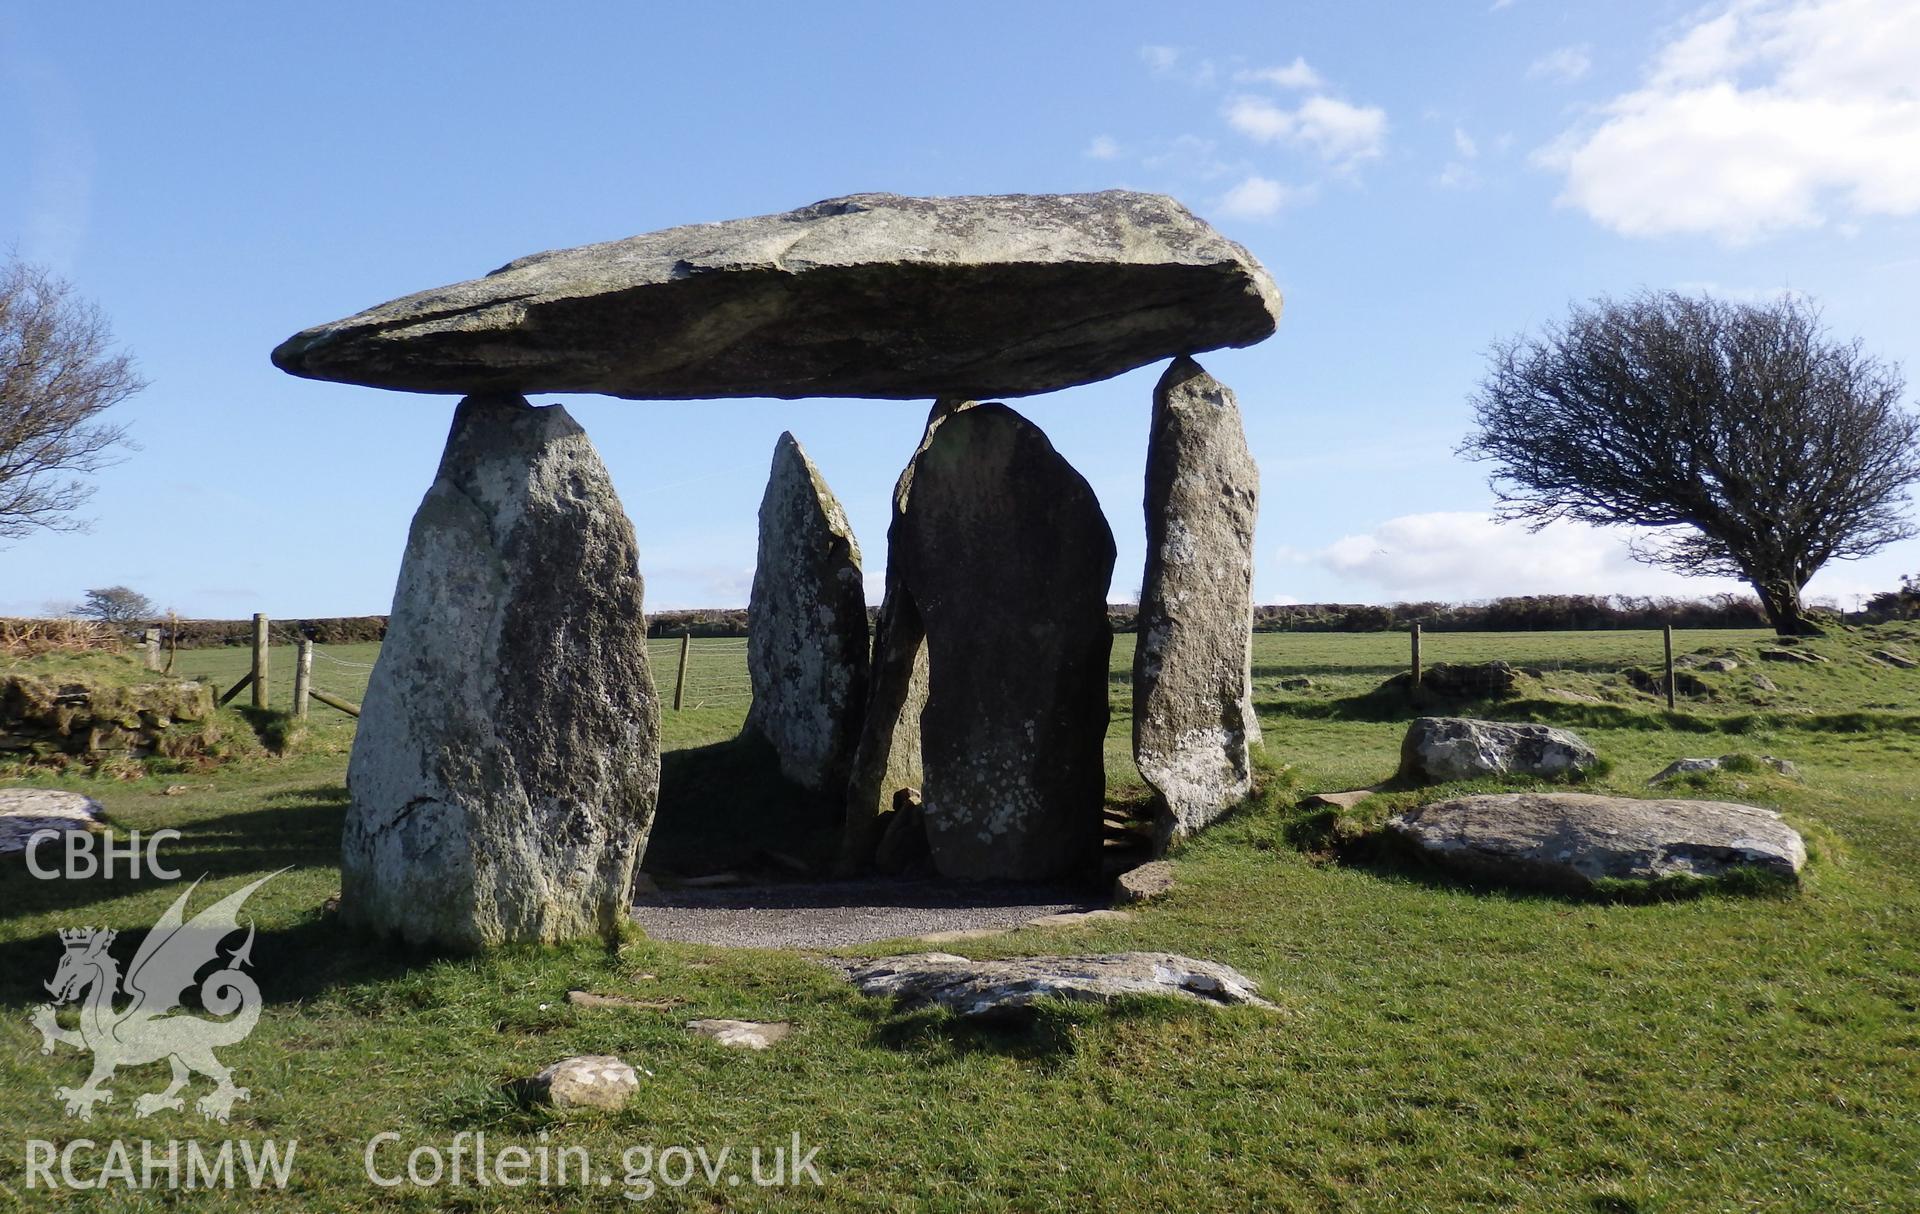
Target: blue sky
{"points": [[1421, 178]]}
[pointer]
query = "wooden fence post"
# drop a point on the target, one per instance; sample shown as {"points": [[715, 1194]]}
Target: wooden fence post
{"points": [[1667, 635], [1415, 633], [680, 677], [259, 660], [302, 678]]}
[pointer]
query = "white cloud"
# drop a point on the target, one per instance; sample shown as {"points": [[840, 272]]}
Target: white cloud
{"points": [[1567, 64], [1295, 75], [1768, 116], [1160, 59], [1188, 156], [1340, 132], [1103, 147], [1457, 176], [1174, 61], [1463, 143], [1462, 555], [1259, 197]]}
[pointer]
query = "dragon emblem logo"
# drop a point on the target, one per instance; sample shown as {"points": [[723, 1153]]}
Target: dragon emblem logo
{"points": [[152, 1025]]}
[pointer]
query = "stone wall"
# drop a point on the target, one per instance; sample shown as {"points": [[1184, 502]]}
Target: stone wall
{"points": [[41, 717]]}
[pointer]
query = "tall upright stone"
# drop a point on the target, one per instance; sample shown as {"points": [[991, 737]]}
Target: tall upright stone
{"points": [[505, 769], [1007, 557], [1193, 718], [807, 643], [887, 759]]}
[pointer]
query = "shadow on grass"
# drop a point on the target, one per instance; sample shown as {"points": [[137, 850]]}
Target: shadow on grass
{"points": [[724, 805], [299, 829], [1392, 704]]}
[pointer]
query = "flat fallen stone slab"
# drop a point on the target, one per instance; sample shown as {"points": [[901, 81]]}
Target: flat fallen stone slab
{"points": [[872, 295], [1008, 989], [25, 812], [1570, 841], [741, 1034], [1688, 767]]}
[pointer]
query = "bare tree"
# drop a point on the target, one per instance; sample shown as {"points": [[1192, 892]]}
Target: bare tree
{"points": [[1758, 446], [117, 605], [57, 375]]}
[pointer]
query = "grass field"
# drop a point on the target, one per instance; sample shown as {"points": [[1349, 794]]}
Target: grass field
{"points": [[1439, 1046]]}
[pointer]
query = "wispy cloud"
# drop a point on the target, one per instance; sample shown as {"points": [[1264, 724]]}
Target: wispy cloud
{"points": [[1465, 555], [1336, 130], [1259, 197], [1565, 64], [1176, 61], [1295, 75], [1103, 147]]}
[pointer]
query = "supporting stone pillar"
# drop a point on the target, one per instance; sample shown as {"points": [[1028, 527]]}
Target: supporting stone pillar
{"points": [[1193, 718], [887, 759], [1007, 557], [807, 644], [505, 769]]}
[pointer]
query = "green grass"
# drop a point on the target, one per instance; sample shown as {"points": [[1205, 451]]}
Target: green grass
{"points": [[1439, 1046]]}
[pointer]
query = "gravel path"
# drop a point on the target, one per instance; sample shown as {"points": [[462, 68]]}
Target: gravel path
{"points": [[841, 914]]}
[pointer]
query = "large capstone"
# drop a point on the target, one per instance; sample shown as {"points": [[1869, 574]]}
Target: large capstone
{"points": [[1006, 556], [1192, 673], [807, 647], [504, 772], [872, 295]]}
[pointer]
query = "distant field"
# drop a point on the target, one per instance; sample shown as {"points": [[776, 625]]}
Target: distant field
{"points": [[1320, 731], [1440, 1046]]}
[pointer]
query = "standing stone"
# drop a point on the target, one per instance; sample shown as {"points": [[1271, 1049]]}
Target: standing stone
{"points": [[806, 625], [507, 760], [887, 759], [1005, 553], [1193, 714]]}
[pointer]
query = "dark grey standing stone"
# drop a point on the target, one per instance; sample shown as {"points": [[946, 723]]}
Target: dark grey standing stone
{"points": [[1193, 715], [869, 295], [505, 768], [887, 759], [1005, 553], [807, 647]]}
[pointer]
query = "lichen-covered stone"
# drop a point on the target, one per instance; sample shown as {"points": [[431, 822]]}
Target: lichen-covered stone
{"points": [[871, 295], [590, 1081], [505, 768], [1461, 748], [1570, 841], [26, 812], [887, 759], [1007, 557], [807, 645], [1193, 718], [1010, 988]]}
